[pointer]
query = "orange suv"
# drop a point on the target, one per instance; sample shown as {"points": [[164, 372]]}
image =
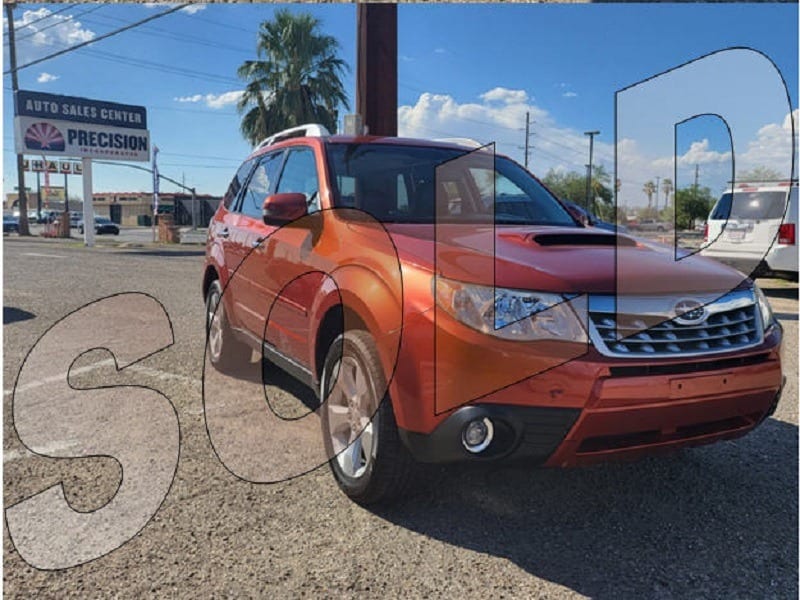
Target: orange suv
{"points": [[444, 306]]}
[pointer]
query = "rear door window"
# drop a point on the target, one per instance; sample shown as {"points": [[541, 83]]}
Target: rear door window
{"points": [[236, 185]]}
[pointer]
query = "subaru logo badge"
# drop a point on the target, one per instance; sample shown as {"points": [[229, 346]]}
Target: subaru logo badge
{"points": [[690, 312]]}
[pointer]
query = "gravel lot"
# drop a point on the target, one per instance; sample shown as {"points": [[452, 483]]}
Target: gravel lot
{"points": [[712, 522]]}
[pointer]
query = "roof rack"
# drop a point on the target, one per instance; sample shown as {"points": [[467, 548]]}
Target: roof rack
{"points": [[307, 130], [461, 141]]}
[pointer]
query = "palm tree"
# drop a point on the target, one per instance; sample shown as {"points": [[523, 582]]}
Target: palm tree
{"points": [[295, 80], [667, 186], [649, 189]]}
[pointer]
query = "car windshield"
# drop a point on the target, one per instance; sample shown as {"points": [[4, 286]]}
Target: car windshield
{"points": [[750, 206], [102, 220], [415, 184]]}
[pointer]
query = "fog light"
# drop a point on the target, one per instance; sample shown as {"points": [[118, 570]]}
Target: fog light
{"points": [[477, 435]]}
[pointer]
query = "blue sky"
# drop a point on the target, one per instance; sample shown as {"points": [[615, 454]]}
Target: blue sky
{"points": [[464, 70]]}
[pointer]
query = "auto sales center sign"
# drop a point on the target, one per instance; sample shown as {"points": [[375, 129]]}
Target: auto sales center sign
{"points": [[48, 124]]}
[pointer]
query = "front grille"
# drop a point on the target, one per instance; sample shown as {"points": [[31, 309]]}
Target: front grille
{"points": [[727, 328]]}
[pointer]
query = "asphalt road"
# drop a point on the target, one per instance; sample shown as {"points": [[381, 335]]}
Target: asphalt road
{"points": [[711, 522]]}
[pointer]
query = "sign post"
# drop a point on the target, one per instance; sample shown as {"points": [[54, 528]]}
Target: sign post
{"points": [[80, 128], [88, 209]]}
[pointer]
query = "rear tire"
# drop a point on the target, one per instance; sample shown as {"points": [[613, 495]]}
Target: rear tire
{"points": [[224, 351], [368, 459]]}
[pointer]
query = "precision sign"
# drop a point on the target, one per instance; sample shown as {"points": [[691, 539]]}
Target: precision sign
{"points": [[80, 128]]}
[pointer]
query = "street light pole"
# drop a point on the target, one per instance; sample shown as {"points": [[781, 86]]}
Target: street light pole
{"points": [[591, 135]]}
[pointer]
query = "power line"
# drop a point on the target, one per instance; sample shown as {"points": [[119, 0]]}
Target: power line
{"points": [[47, 16], [97, 39], [160, 67], [196, 17], [159, 32], [59, 22]]}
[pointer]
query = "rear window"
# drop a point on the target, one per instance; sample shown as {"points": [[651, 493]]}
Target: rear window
{"points": [[750, 206], [397, 184]]}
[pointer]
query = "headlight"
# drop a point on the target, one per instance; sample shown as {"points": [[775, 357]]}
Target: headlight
{"points": [[518, 315], [767, 316]]}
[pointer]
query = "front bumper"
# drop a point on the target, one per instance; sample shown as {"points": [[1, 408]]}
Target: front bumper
{"points": [[610, 409]]}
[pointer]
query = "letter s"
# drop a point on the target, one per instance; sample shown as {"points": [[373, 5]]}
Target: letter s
{"points": [[135, 425]]}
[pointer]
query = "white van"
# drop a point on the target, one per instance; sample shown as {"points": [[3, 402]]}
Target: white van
{"points": [[754, 229]]}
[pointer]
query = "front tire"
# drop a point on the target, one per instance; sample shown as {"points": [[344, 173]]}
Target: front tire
{"points": [[224, 351], [368, 459]]}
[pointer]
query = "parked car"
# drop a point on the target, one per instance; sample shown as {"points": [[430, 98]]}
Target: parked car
{"points": [[10, 224], [578, 391], [75, 218], [754, 229], [651, 225], [101, 226]]}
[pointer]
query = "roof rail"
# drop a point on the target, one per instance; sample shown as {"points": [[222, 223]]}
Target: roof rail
{"points": [[309, 130], [461, 141]]}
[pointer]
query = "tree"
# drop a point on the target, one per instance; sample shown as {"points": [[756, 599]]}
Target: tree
{"points": [[296, 79], [667, 186], [649, 189], [759, 174], [571, 186], [692, 203]]}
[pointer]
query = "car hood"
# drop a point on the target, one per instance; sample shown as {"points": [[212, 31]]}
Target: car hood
{"points": [[558, 259]]}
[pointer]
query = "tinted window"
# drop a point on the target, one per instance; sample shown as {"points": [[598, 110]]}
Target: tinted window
{"points": [[237, 183], [750, 206], [300, 176], [261, 184], [397, 183]]}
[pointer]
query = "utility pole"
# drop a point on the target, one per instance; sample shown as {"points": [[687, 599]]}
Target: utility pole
{"points": [[528, 134], [696, 178], [12, 57], [591, 135], [376, 87], [527, 137]]}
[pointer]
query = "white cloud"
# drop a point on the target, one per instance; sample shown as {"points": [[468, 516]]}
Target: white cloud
{"points": [[46, 78], [193, 8], [194, 98], [569, 95], [501, 94], [698, 153], [213, 100], [772, 147], [190, 8], [499, 117], [440, 51], [67, 32]]}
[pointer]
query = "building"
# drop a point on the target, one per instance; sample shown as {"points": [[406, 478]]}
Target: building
{"points": [[136, 208]]}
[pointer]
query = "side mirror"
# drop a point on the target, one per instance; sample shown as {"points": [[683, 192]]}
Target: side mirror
{"points": [[283, 208]]}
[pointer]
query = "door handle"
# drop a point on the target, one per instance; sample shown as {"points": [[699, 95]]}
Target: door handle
{"points": [[257, 242], [224, 232]]}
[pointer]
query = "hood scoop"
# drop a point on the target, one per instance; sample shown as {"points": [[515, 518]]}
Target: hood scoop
{"points": [[582, 239]]}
